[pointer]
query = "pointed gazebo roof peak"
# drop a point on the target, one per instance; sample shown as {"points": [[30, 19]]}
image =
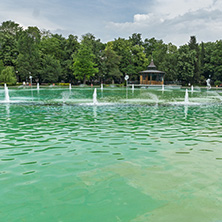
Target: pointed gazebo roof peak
{"points": [[152, 69], [151, 65]]}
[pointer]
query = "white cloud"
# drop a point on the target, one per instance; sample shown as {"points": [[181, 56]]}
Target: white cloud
{"points": [[173, 8], [170, 20], [28, 14], [176, 20]]}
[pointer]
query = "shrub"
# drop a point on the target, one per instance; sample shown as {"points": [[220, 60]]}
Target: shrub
{"points": [[8, 75], [63, 84], [217, 82]]}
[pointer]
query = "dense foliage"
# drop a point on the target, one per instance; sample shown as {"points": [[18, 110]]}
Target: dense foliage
{"points": [[51, 58]]}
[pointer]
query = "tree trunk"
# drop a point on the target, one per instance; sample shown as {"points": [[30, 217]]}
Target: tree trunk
{"points": [[84, 80]]}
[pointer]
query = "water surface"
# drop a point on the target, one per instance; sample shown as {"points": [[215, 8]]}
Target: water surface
{"points": [[134, 157]]}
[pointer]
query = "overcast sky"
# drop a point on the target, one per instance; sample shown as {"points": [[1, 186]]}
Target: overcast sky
{"points": [[170, 20]]}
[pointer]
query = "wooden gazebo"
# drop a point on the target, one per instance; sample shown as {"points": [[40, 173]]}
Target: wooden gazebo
{"points": [[152, 76]]}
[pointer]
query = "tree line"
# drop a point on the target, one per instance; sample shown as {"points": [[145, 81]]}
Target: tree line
{"points": [[51, 58]]}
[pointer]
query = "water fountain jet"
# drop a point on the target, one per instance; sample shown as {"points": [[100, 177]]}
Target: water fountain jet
{"points": [[95, 102], [6, 94], [186, 100], [162, 87]]}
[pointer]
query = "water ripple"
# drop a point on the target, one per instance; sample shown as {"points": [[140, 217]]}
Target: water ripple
{"points": [[54, 157]]}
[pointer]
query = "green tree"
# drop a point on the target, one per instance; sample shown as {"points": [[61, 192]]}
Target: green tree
{"points": [[216, 61], [83, 66], [169, 64], [186, 64], [110, 64], [139, 62], [133, 57], [150, 45], [8, 49], [28, 62], [136, 39], [1, 66], [71, 47], [9, 33], [202, 61], [123, 48], [208, 68], [96, 47], [8, 75], [193, 45], [155, 49], [11, 28], [51, 46], [54, 45], [94, 44], [51, 69]]}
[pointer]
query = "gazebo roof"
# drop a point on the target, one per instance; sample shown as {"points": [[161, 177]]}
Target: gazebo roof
{"points": [[152, 69], [151, 65]]}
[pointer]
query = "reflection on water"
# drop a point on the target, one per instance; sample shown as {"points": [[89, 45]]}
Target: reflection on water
{"points": [[7, 106], [136, 162], [185, 111], [95, 111]]}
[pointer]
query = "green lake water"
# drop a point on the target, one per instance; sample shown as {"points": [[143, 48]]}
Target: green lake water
{"points": [[137, 156]]}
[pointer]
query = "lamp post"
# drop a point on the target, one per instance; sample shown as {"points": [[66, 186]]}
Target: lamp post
{"points": [[126, 78], [30, 77]]}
